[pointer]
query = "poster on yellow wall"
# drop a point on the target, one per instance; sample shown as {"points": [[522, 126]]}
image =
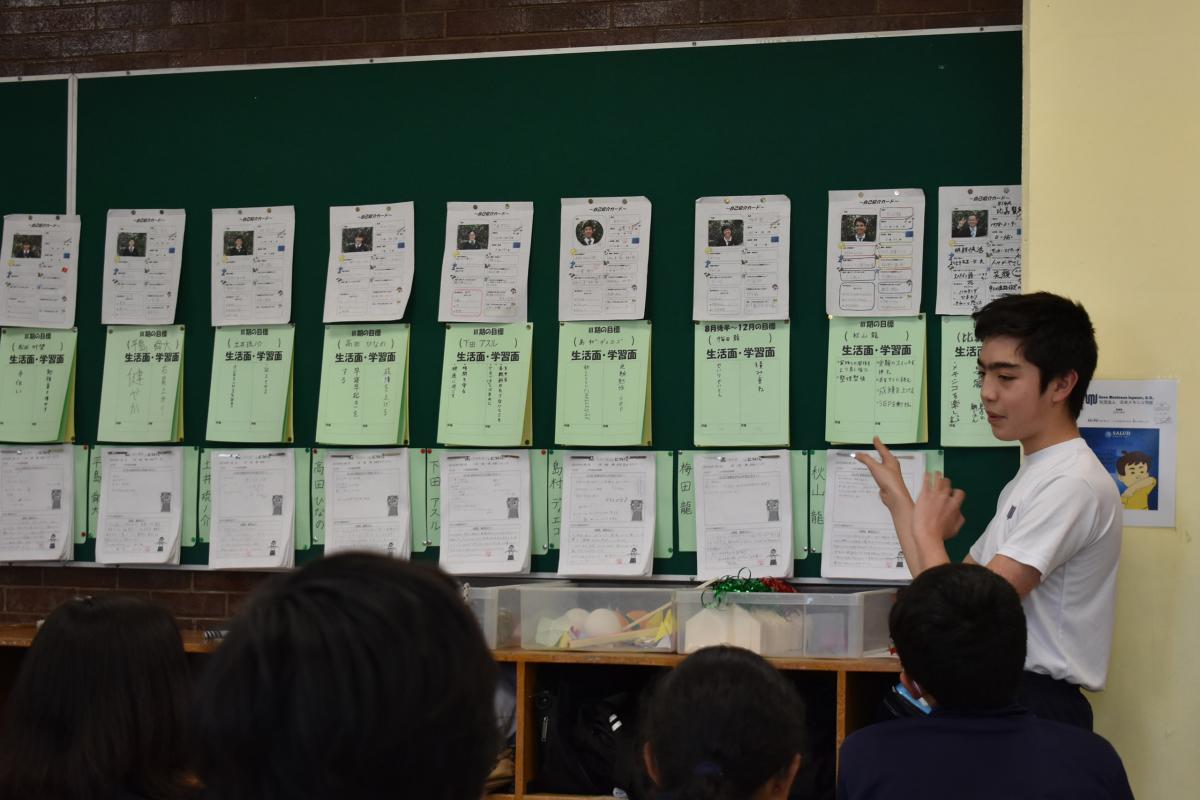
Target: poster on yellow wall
{"points": [[1130, 426]]}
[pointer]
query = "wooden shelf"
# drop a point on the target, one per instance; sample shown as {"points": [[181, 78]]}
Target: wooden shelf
{"points": [[22, 636]]}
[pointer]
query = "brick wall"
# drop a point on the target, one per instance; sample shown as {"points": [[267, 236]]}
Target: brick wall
{"points": [[57, 36]]}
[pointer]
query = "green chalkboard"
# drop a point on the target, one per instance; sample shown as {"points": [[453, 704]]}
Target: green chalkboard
{"points": [[34, 176], [673, 124]]}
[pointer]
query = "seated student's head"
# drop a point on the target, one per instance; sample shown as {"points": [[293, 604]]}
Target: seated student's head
{"points": [[724, 725], [356, 677], [959, 630], [99, 708]]}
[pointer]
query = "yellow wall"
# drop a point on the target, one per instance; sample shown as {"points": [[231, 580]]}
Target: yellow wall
{"points": [[1112, 180]]}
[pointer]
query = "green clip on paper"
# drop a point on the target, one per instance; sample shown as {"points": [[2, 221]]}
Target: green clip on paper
{"points": [[876, 384], [603, 383], [964, 421], [364, 385], [742, 383], [250, 399], [37, 385], [141, 399], [485, 385]]}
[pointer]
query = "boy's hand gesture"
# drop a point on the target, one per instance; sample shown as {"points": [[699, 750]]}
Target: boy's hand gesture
{"points": [[887, 475], [938, 511]]}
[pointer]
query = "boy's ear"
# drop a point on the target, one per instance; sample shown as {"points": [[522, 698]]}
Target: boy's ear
{"points": [[651, 767], [1060, 388]]}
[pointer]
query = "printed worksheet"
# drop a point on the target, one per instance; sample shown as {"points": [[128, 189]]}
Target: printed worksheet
{"points": [[873, 268], [608, 513], [367, 502], [1131, 427], [485, 264], [41, 272], [371, 261], [860, 539], [37, 503], [252, 265], [141, 505], [486, 509], [604, 254], [743, 513], [253, 505], [979, 246], [742, 247], [143, 254]]}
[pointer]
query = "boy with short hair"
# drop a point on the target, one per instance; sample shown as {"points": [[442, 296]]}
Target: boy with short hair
{"points": [[1056, 535]]}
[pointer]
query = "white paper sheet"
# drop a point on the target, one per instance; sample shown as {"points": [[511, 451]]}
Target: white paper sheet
{"points": [[486, 510], [608, 513], [367, 504], [41, 270], [977, 264], [860, 539], [742, 247], [253, 508], [252, 265], [371, 258], [743, 513], [37, 503], [485, 263], [141, 505], [1131, 427], [604, 253], [143, 253], [873, 267]]}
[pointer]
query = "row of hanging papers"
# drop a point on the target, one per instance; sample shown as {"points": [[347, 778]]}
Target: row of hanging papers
{"points": [[875, 387]]}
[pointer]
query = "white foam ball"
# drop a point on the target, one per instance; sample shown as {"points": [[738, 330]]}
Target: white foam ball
{"points": [[602, 622]]}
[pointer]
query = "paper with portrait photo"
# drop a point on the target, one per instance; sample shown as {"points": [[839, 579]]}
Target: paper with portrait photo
{"points": [[875, 241], [41, 273], [608, 513], [604, 254], [253, 508], [366, 502], [485, 263], [252, 265], [371, 262], [143, 254], [141, 505], [1131, 426], [37, 493], [485, 509], [979, 246], [743, 513], [742, 247]]}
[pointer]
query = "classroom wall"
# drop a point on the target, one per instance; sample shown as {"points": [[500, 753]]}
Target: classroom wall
{"points": [[57, 36], [1112, 120]]}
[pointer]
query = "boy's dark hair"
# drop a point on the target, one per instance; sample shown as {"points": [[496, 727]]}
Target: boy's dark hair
{"points": [[1136, 457], [100, 706], [722, 724], [959, 630], [358, 677], [1055, 335]]}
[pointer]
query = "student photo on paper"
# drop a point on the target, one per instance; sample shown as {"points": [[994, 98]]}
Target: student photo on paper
{"points": [[859, 227], [969, 223], [589, 232], [473, 237], [724, 232], [357, 240], [131, 245], [239, 243]]}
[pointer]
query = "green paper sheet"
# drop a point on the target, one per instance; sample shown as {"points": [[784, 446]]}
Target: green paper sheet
{"points": [[664, 479], [37, 382], [141, 397], [433, 498], [81, 493], [420, 508], [485, 398], [741, 384], [317, 490], [251, 391], [302, 522], [685, 491], [551, 476], [603, 383], [191, 479], [364, 382], [93, 483], [816, 499], [204, 496], [964, 421], [799, 504], [876, 383]]}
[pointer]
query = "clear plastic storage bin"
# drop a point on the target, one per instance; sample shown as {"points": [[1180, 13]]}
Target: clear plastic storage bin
{"points": [[577, 618], [498, 609], [807, 624]]}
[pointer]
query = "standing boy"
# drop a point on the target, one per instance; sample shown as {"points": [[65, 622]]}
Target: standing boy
{"points": [[1056, 535]]}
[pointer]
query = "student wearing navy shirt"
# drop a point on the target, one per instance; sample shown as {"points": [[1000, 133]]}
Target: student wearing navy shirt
{"points": [[959, 631]]}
